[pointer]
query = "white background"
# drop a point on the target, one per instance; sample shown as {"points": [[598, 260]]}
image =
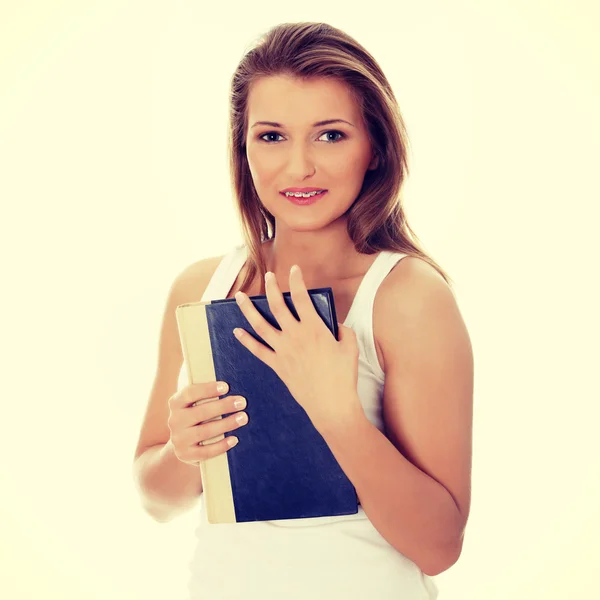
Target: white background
{"points": [[113, 177]]}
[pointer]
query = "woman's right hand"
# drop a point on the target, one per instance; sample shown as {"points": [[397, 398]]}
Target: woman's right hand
{"points": [[194, 418]]}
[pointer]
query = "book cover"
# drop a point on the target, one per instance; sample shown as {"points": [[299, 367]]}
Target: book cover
{"points": [[281, 467]]}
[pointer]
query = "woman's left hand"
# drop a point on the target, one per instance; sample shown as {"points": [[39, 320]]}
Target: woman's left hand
{"points": [[320, 372]]}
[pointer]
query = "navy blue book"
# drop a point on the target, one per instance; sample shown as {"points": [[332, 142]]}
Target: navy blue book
{"points": [[282, 467]]}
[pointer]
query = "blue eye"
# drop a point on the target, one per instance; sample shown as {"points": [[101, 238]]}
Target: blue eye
{"points": [[274, 133], [268, 133], [342, 136]]}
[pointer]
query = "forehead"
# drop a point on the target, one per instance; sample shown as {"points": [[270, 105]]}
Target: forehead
{"points": [[285, 99]]}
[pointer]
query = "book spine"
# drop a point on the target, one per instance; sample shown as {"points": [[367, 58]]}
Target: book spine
{"points": [[197, 352]]}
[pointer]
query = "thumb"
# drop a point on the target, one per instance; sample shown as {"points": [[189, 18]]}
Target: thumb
{"points": [[344, 332]]}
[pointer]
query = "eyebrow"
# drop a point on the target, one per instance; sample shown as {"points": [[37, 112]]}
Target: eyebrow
{"points": [[317, 124]]}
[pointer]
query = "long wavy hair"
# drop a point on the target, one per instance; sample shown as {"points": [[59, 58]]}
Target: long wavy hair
{"points": [[307, 50]]}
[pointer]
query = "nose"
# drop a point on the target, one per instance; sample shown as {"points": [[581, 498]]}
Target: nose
{"points": [[300, 162]]}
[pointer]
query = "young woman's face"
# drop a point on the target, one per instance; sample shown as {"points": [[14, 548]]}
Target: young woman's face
{"points": [[298, 153]]}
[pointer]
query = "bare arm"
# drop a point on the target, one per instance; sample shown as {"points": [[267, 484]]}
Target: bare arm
{"points": [[415, 483], [167, 486]]}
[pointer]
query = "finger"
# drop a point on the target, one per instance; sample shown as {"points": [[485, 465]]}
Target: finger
{"points": [[216, 408], [302, 301], [211, 431], [259, 350], [262, 327], [200, 453], [277, 304], [198, 393]]}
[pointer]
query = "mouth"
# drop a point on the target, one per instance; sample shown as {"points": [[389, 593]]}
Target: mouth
{"points": [[303, 201]]}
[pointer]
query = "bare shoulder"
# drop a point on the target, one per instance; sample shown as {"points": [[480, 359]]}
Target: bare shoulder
{"points": [[189, 285], [412, 271], [402, 294], [412, 286]]}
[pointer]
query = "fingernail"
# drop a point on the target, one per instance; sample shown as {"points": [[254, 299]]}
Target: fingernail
{"points": [[221, 387]]}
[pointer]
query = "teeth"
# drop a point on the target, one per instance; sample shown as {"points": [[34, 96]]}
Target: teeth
{"points": [[301, 194]]}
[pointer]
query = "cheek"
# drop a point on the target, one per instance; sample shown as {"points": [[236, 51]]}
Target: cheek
{"points": [[349, 171], [262, 167]]}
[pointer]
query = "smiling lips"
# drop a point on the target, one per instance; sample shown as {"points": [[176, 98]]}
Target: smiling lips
{"points": [[303, 190], [304, 200]]}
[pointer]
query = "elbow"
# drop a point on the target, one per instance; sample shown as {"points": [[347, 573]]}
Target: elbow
{"points": [[152, 508], [439, 567], [155, 515], [446, 552], [160, 518], [158, 515], [442, 560]]}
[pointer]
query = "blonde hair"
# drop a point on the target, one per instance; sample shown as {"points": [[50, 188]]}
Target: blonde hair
{"points": [[306, 50]]}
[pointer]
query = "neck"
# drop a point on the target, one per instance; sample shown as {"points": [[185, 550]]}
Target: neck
{"points": [[323, 257]]}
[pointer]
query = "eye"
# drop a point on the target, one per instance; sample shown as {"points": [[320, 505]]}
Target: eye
{"points": [[268, 133], [274, 133], [335, 132]]}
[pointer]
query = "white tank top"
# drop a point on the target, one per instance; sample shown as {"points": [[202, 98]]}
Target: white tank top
{"points": [[322, 558]]}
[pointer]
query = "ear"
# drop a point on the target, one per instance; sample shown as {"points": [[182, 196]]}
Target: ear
{"points": [[374, 163]]}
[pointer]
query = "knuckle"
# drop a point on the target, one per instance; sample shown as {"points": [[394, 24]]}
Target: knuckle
{"points": [[188, 395], [172, 401], [259, 328], [173, 421], [277, 306], [178, 440]]}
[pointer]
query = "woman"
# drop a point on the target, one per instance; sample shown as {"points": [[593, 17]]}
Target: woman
{"points": [[311, 109]]}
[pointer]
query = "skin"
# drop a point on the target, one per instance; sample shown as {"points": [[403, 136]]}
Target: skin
{"points": [[300, 155], [414, 482]]}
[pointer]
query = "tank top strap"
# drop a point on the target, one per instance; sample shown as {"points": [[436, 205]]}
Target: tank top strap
{"points": [[231, 264], [360, 317], [225, 274], [362, 306]]}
